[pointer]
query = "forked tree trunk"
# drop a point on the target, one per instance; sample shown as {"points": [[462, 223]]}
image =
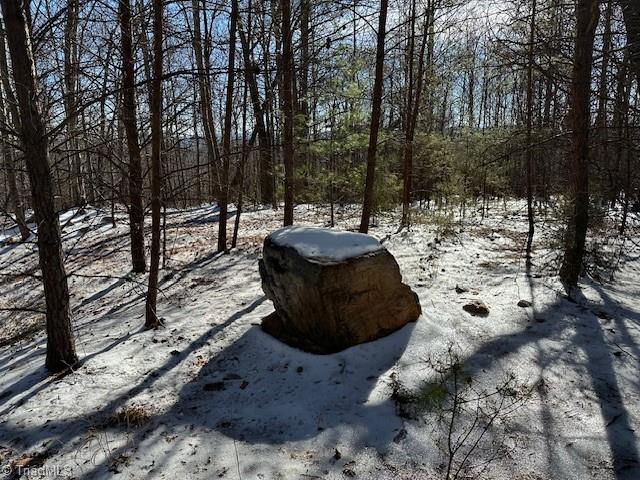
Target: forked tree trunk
{"points": [[265, 163], [587, 15], [376, 113], [151, 316], [130, 121], [204, 90], [413, 109], [61, 351]]}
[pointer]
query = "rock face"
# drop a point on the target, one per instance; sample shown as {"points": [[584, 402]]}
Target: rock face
{"points": [[332, 289]]}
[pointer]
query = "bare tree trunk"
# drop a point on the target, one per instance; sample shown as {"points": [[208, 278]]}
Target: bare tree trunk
{"points": [[287, 100], [631, 11], [303, 83], [413, 109], [587, 15], [621, 125], [151, 317], [241, 167], [601, 117], [530, 158], [265, 164], [223, 198], [61, 352], [70, 100], [408, 105], [6, 93], [14, 201], [204, 88], [376, 113], [129, 119]]}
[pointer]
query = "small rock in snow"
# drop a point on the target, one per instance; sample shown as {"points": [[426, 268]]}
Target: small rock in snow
{"points": [[402, 434], [524, 303], [349, 472], [213, 387], [461, 289], [476, 308]]}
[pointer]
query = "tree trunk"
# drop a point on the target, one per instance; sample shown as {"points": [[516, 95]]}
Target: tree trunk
{"points": [[288, 107], [61, 352], [129, 119], [265, 164], [6, 93], [204, 88], [302, 127], [70, 101], [621, 126], [587, 15], [631, 11], [376, 113], [413, 109], [241, 168], [223, 197], [530, 158], [602, 123], [151, 317]]}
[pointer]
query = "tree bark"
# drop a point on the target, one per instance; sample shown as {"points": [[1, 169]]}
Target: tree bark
{"points": [[376, 113], [631, 11], [223, 197], [288, 107], [151, 317], [61, 352], [413, 109], [302, 127], [129, 119], [530, 158], [8, 103], [265, 164], [587, 15], [204, 88], [70, 101]]}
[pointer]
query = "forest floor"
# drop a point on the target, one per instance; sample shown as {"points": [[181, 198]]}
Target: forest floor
{"points": [[549, 391]]}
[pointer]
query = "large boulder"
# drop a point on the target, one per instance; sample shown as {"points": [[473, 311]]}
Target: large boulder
{"points": [[332, 289]]}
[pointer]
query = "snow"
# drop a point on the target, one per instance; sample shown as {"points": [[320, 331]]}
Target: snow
{"points": [[324, 244], [225, 400]]}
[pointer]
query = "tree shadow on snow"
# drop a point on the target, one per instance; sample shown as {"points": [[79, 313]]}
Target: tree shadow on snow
{"points": [[578, 321], [261, 391]]}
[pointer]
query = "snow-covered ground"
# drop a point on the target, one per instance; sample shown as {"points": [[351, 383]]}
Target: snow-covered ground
{"points": [[212, 396]]}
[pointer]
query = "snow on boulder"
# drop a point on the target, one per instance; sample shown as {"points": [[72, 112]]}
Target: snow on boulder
{"points": [[332, 289], [325, 244]]}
